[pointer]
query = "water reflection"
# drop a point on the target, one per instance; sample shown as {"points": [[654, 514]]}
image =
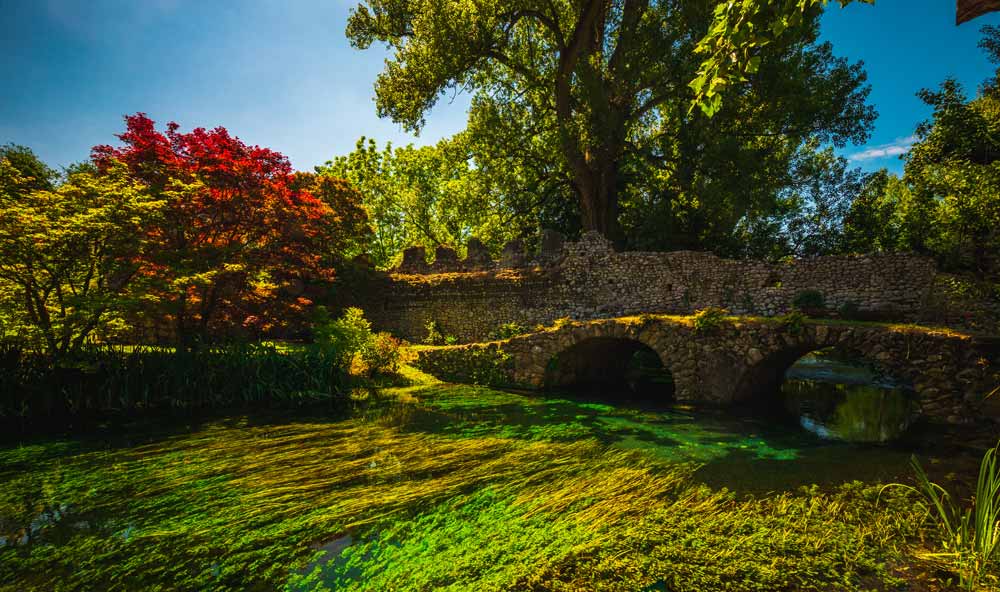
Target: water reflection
{"points": [[844, 399]]}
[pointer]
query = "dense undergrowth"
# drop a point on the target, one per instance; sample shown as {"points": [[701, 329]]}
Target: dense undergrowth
{"points": [[40, 392], [421, 497]]}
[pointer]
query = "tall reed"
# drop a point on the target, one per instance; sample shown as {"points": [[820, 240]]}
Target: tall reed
{"points": [[971, 534]]}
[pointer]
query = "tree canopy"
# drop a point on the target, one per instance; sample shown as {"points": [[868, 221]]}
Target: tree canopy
{"points": [[68, 255], [948, 200], [239, 235], [588, 101]]}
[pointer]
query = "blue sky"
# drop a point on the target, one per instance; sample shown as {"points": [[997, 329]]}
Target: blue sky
{"points": [[280, 73]]}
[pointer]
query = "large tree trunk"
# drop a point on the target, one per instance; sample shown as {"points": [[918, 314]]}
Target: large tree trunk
{"points": [[598, 192]]}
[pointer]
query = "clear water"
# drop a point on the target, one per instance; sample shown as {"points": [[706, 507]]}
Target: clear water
{"points": [[433, 460], [743, 452], [847, 400]]}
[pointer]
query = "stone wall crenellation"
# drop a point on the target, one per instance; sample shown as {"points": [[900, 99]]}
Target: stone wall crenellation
{"points": [[469, 299]]}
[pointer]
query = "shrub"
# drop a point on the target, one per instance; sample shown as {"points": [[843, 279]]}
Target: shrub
{"points": [[809, 300], [36, 393], [344, 336], [381, 354], [350, 338], [709, 319], [434, 335], [795, 321], [485, 364], [508, 330], [849, 310]]}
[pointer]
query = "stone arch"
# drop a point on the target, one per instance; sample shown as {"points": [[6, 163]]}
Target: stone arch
{"points": [[598, 355], [766, 366], [947, 371]]}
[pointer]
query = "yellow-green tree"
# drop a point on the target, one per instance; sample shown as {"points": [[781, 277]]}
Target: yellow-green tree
{"points": [[67, 255]]}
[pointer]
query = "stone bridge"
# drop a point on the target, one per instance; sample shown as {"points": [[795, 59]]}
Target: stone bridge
{"points": [[734, 361]]}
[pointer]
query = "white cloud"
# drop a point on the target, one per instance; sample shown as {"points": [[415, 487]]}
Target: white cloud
{"points": [[895, 148]]}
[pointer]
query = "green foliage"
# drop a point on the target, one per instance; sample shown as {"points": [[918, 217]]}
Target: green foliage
{"points": [[416, 196], [34, 174], [809, 299], [67, 256], [434, 335], [485, 364], [849, 310], [119, 382], [381, 354], [581, 105], [351, 340], [343, 337], [948, 202], [732, 47], [709, 319], [794, 321], [508, 330], [970, 536]]}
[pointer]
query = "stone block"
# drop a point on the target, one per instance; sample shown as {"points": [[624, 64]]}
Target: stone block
{"points": [[513, 255], [414, 260], [552, 244], [477, 256], [445, 260]]}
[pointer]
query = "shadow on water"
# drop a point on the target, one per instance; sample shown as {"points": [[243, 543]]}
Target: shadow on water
{"points": [[743, 453]]}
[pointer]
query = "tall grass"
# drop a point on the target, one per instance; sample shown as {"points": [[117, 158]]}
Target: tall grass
{"points": [[128, 380], [971, 535]]}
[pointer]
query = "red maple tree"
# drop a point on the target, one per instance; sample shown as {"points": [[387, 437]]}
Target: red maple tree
{"points": [[239, 236]]}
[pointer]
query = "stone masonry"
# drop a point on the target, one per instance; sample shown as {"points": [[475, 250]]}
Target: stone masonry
{"points": [[469, 299], [730, 363]]}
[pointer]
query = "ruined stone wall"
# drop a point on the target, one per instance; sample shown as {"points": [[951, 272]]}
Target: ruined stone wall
{"points": [[470, 299]]}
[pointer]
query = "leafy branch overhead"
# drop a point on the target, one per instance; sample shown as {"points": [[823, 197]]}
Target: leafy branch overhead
{"points": [[739, 30], [600, 85]]}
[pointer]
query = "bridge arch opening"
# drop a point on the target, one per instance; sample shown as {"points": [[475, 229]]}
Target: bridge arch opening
{"points": [[836, 393], [611, 365]]}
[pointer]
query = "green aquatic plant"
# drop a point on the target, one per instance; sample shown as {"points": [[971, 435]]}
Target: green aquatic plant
{"points": [[970, 535], [433, 486]]}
